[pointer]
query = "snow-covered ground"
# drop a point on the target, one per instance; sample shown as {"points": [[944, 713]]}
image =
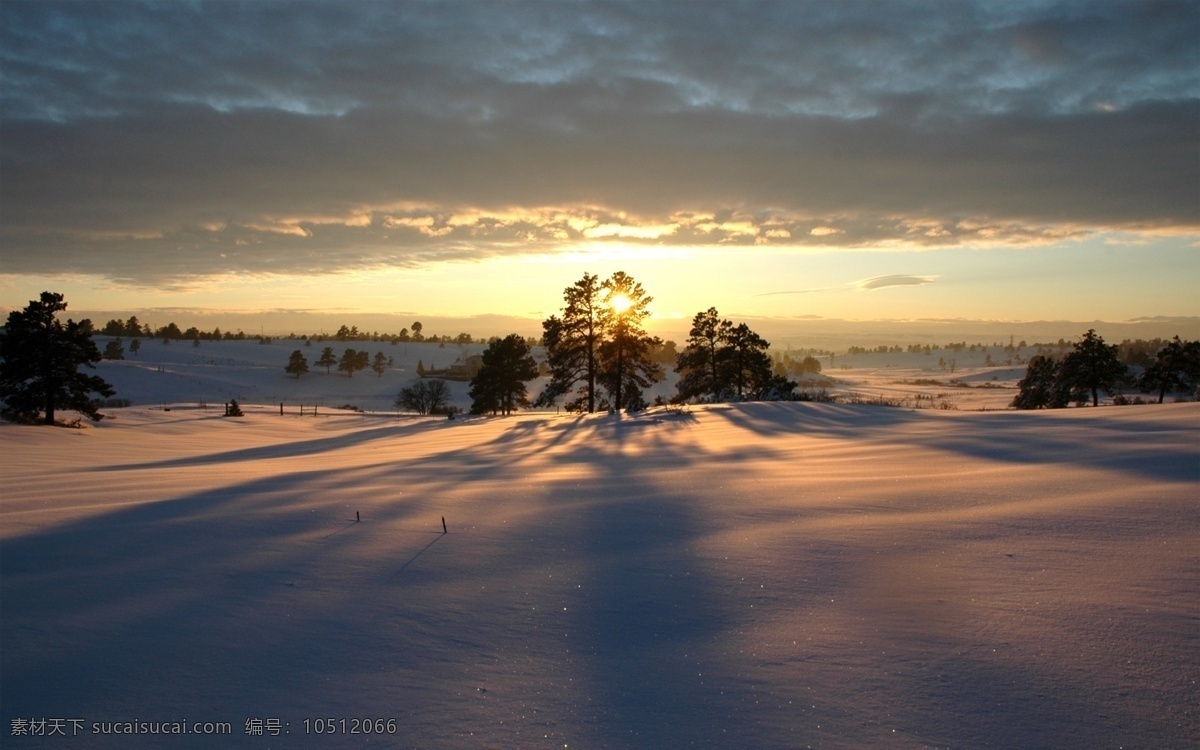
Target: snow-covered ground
{"points": [[215, 372], [760, 575]]}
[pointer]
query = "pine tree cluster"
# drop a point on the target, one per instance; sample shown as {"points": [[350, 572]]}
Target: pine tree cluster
{"points": [[727, 362], [598, 352]]}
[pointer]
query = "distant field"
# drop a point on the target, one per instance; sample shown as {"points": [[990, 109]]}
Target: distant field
{"points": [[254, 373]]}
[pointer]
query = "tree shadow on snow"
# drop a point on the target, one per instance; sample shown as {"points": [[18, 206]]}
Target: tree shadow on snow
{"points": [[1114, 440]]}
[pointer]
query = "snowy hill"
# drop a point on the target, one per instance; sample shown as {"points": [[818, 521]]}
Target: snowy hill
{"points": [[760, 575]]}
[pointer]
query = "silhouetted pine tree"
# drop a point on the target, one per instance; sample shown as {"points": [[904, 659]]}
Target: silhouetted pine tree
{"points": [[39, 362], [114, 349], [699, 364], [297, 364], [328, 359], [1037, 390], [626, 365], [1175, 367], [1092, 366], [380, 364], [572, 346], [499, 386]]}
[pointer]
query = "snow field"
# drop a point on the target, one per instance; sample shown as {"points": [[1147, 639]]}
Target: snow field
{"points": [[762, 575], [216, 371]]}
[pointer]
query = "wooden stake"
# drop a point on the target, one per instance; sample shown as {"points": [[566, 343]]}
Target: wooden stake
{"points": [[444, 531], [357, 517]]}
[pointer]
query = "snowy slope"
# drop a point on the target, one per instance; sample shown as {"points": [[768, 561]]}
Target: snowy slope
{"points": [[764, 575]]}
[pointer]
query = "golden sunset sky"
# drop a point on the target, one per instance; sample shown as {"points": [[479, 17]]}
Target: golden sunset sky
{"points": [[853, 160]]}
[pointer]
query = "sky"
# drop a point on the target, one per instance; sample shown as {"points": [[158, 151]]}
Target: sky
{"points": [[859, 160]]}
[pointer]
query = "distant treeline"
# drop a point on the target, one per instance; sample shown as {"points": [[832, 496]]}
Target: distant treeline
{"points": [[1130, 351], [134, 328]]}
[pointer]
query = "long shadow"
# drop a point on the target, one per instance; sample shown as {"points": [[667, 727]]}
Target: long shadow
{"points": [[192, 606], [1005, 437], [291, 449], [413, 559], [647, 619], [179, 608]]}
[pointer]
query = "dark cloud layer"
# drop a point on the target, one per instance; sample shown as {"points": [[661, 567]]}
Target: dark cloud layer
{"points": [[155, 142]]}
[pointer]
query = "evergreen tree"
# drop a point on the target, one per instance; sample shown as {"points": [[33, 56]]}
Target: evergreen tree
{"points": [[39, 361], [626, 365], [380, 364], [723, 360], [747, 362], [347, 363], [499, 386], [1039, 388], [170, 331], [134, 346], [572, 346], [1091, 366], [328, 359], [114, 349], [352, 361], [700, 363], [1175, 367], [297, 364]]}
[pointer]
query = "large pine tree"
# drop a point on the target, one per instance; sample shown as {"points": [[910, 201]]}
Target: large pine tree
{"points": [[328, 359], [499, 386], [1175, 367], [1092, 366], [748, 363], [1037, 390], [625, 364], [700, 363], [39, 362], [572, 344], [723, 360], [297, 364], [599, 342]]}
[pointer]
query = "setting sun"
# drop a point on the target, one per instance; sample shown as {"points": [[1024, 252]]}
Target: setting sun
{"points": [[620, 303]]}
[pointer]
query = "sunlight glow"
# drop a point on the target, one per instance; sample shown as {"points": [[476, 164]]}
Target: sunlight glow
{"points": [[620, 303]]}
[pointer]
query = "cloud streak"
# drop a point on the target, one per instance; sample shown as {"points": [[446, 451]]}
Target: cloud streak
{"points": [[313, 138], [882, 282], [863, 285]]}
